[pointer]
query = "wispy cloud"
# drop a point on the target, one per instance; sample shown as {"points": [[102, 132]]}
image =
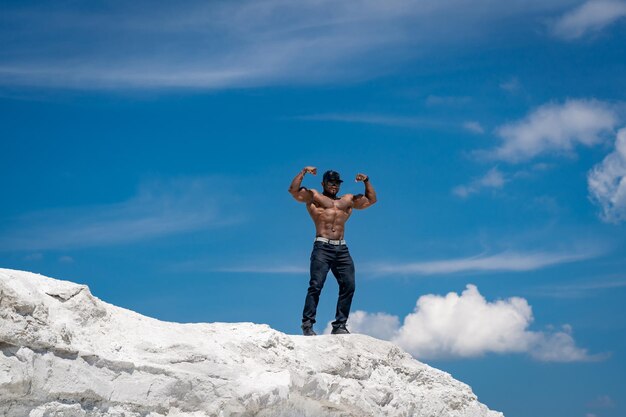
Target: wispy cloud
{"points": [[37, 256], [375, 119], [159, 208], [493, 179], [234, 44], [505, 261], [474, 127], [447, 100], [590, 17], [581, 289], [512, 86], [66, 259], [285, 269], [252, 264], [467, 325], [555, 129], [601, 401], [607, 182]]}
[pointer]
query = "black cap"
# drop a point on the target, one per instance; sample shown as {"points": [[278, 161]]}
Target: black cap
{"points": [[331, 176]]}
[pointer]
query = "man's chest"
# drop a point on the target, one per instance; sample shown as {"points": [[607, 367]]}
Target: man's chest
{"points": [[326, 203], [324, 206]]}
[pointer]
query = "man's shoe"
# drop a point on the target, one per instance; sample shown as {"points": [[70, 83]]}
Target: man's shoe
{"points": [[341, 329], [307, 330]]}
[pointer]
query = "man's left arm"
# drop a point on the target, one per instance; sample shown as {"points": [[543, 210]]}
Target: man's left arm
{"points": [[362, 201]]}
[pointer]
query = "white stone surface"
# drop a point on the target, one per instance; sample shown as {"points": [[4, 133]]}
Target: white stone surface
{"points": [[65, 353]]}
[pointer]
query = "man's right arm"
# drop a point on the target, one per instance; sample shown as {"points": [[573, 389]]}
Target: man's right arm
{"points": [[298, 192]]}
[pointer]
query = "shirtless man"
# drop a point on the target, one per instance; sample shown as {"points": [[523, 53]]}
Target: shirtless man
{"points": [[330, 213]]}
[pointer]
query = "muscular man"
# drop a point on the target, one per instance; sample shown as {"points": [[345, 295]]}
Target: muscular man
{"points": [[330, 213]]}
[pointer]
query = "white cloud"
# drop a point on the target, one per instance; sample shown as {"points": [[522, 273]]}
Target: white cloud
{"points": [[591, 16], [473, 127], [607, 182], [505, 261], [467, 325], [555, 129], [160, 208], [224, 44], [492, 179], [558, 347]]}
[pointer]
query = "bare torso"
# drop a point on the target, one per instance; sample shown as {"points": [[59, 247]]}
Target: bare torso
{"points": [[328, 211], [330, 215]]}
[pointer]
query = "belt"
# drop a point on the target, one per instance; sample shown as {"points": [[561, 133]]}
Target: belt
{"points": [[331, 241]]}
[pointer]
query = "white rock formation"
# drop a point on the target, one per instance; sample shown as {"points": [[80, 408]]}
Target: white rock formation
{"points": [[65, 353]]}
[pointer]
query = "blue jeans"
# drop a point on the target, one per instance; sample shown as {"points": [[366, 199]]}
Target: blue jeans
{"points": [[336, 258]]}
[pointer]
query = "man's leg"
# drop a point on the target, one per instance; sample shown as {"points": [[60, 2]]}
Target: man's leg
{"points": [[320, 264], [343, 269]]}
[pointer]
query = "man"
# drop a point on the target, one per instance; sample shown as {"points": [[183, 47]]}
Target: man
{"points": [[330, 213]]}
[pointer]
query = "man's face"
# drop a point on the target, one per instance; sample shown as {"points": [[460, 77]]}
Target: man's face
{"points": [[331, 187]]}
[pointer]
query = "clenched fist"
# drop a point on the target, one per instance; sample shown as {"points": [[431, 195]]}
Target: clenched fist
{"points": [[361, 177], [310, 170]]}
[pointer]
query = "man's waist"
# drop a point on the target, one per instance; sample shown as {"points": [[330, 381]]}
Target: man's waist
{"points": [[331, 241]]}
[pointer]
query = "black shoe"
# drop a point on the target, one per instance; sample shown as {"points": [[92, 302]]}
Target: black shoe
{"points": [[341, 329], [307, 330]]}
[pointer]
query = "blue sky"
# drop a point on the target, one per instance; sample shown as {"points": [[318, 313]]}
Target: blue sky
{"points": [[147, 149]]}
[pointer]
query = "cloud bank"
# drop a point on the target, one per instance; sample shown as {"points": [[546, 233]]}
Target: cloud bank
{"points": [[225, 44], [590, 17], [555, 129], [467, 325], [558, 129], [607, 182]]}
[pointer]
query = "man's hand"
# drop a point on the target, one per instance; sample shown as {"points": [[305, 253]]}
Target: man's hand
{"points": [[310, 170], [360, 177]]}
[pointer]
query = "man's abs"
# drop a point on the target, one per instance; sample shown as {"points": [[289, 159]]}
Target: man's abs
{"points": [[329, 222]]}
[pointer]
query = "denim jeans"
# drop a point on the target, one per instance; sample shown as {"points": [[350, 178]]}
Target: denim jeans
{"points": [[336, 258]]}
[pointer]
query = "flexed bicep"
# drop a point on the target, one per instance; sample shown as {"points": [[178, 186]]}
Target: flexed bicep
{"points": [[303, 195], [361, 202]]}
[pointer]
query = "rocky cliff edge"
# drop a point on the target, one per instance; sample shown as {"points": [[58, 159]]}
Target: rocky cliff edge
{"points": [[65, 353]]}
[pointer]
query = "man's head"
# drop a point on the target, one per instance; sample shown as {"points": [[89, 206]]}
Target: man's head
{"points": [[331, 182]]}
